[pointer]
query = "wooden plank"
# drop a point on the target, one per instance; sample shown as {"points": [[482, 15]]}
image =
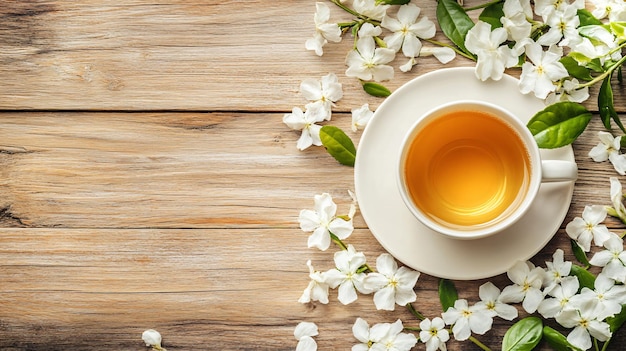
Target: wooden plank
{"points": [[163, 55], [183, 170], [232, 289], [159, 170], [174, 55]]}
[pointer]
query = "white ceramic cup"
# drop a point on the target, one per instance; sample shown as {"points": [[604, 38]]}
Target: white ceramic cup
{"points": [[538, 171]]}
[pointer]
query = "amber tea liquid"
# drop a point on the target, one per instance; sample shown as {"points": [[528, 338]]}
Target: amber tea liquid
{"points": [[467, 168]]}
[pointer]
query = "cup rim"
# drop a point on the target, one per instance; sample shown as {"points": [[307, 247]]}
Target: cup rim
{"points": [[480, 231]]}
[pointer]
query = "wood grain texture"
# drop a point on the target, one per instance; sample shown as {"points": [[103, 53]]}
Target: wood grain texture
{"points": [[174, 55], [147, 179]]}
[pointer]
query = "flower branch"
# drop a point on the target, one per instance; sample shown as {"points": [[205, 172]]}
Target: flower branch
{"points": [[556, 45]]}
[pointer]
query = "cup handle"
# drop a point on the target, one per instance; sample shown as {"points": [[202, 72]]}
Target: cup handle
{"points": [[558, 171]]}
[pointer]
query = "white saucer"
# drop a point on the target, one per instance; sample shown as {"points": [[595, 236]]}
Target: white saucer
{"points": [[395, 227]]}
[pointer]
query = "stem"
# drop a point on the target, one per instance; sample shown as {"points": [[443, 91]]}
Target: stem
{"points": [[414, 312], [338, 241], [604, 74], [354, 13], [457, 50], [344, 25], [482, 6], [606, 345], [479, 344]]}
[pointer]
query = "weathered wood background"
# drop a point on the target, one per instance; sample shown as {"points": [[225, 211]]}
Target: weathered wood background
{"points": [[147, 179]]}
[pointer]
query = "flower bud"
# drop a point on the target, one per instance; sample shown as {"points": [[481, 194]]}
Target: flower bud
{"points": [[152, 338]]}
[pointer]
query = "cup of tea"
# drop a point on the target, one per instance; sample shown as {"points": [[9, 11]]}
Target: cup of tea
{"points": [[470, 169]]}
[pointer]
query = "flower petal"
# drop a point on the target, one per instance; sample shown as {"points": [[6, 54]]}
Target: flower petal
{"points": [[385, 299], [341, 228], [306, 344], [319, 239], [346, 293], [361, 330], [386, 265], [305, 329]]}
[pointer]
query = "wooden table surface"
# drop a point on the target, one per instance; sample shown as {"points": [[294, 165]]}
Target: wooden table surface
{"points": [[147, 179]]}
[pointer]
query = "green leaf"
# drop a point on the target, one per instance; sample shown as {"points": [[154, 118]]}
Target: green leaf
{"points": [[376, 89], [618, 320], [585, 278], [492, 14], [580, 255], [619, 29], [447, 294], [606, 106], [559, 124], [575, 70], [592, 64], [523, 335], [454, 22], [338, 145], [557, 340], [595, 65], [587, 18]]}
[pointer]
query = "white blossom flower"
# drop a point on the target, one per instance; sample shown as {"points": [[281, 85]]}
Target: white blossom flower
{"points": [[306, 122], [515, 20], [368, 62], [317, 290], [538, 75], [556, 271], [541, 6], [493, 57], [382, 336], [587, 50], [563, 27], [407, 30], [354, 205], [613, 259], [152, 338], [443, 54], [596, 42], [613, 9], [326, 91], [528, 281], [617, 198], [370, 8], [394, 339], [304, 333], [585, 324], [323, 221], [434, 334], [369, 30], [366, 335], [562, 298], [569, 90], [490, 302], [346, 275], [606, 296], [608, 149], [360, 117], [324, 31], [393, 285], [588, 228], [466, 320]]}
